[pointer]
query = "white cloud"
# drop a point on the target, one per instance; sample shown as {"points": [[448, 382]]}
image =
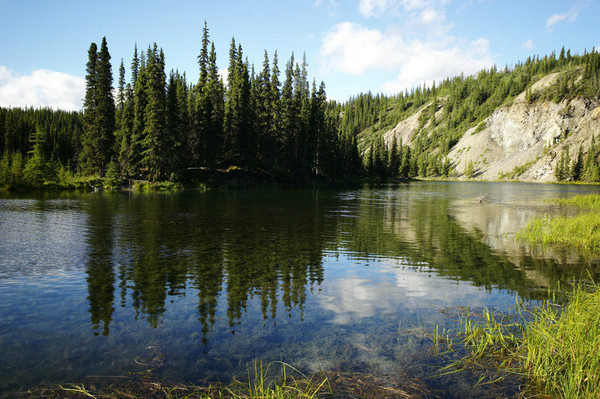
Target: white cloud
{"points": [[570, 16], [373, 8], [431, 16], [428, 63], [528, 45], [379, 8], [353, 49], [224, 74], [331, 5], [42, 88]]}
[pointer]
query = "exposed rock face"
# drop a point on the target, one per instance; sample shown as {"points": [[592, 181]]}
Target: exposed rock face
{"points": [[404, 130], [522, 133]]}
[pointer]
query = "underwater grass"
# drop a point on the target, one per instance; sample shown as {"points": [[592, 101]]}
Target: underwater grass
{"points": [[556, 350]]}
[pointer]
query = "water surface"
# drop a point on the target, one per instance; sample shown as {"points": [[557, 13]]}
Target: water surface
{"points": [[196, 286]]}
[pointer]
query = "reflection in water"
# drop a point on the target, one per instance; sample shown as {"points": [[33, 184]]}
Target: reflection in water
{"points": [[319, 279], [238, 250], [270, 246], [100, 269]]}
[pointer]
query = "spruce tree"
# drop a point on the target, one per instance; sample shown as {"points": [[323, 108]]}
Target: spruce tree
{"points": [[99, 111], [140, 100], [262, 105], [394, 160], [215, 90], [105, 115], [155, 140], [90, 108], [577, 166]]}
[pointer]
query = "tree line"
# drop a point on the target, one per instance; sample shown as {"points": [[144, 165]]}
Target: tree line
{"points": [[262, 121], [158, 126]]}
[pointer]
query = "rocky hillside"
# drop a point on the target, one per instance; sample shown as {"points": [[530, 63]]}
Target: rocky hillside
{"points": [[519, 124], [523, 141]]}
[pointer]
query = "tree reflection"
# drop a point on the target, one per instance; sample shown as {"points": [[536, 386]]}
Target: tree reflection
{"points": [[101, 278], [239, 246], [400, 224], [231, 249]]}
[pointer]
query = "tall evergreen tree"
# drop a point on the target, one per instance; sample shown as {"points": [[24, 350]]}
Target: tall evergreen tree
{"points": [[140, 101], [105, 116], [99, 111], [89, 107], [394, 160], [214, 88], [156, 140]]}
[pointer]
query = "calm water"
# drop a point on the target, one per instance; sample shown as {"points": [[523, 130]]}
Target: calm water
{"points": [[197, 286]]}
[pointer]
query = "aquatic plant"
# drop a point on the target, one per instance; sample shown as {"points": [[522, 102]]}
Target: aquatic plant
{"points": [[554, 348]]}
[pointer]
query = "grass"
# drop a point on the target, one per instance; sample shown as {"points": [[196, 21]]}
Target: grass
{"points": [[555, 350], [581, 231], [263, 383], [260, 386]]}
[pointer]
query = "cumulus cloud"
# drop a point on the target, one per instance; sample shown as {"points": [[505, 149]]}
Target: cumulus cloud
{"points": [[42, 88], [419, 46], [569, 16], [528, 45], [372, 8], [353, 49], [428, 63]]}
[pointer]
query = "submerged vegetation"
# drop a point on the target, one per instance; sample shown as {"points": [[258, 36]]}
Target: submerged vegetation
{"points": [[552, 347]]}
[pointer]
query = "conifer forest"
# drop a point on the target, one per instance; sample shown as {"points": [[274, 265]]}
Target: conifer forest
{"points": [[266, 123]]}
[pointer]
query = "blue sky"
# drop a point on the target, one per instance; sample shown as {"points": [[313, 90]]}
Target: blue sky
{"points": [[353, 46]]}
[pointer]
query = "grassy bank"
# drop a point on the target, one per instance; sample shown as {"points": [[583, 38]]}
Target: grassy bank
{"points": [[273, 381], [265, 382], [581, 231]]}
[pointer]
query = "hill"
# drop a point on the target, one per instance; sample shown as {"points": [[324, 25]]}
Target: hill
{"points": [[534, 122]]}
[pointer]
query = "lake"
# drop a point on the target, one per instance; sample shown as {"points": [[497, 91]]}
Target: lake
{"points": [[197, 286]]}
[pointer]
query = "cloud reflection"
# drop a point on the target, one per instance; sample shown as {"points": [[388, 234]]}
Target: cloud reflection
{"points": [[391, 287]]}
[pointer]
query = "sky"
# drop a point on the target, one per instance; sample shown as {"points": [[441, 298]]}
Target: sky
{"points": [[354, 46]]}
